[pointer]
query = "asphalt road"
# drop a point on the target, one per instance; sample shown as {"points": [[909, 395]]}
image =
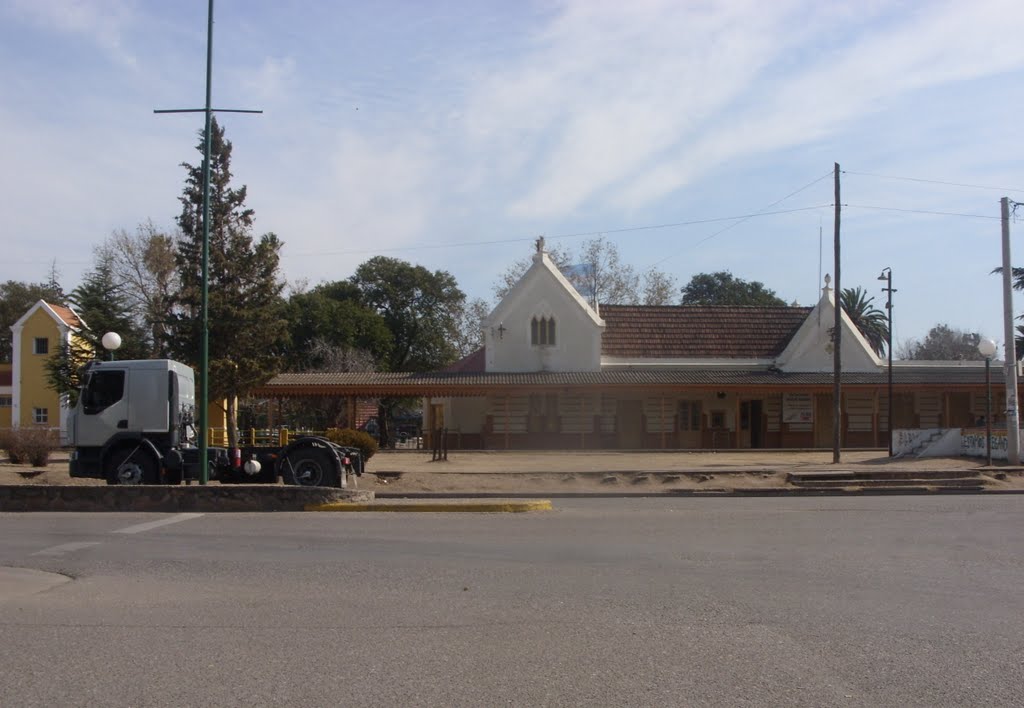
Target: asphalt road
{"points": [[611, 602]]}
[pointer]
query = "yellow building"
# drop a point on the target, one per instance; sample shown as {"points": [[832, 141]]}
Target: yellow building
{"points": [[25, 394], [6, 396], [37, 336]]}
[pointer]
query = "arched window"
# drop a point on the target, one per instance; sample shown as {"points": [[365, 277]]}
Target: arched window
{"points": [[542, 331]]}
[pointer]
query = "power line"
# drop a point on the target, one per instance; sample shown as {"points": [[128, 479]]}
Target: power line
{"points": [[460, 244], [921, 211], [934, 181], [762, 212]]}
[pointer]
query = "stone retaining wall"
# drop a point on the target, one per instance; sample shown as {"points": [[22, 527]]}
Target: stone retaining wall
{"points": [[206, 498]]}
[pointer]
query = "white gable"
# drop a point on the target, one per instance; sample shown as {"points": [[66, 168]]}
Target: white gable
{"points": [[45, 306], [811, 346], [543, 293]]}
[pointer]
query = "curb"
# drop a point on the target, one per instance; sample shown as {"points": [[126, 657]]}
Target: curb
{"points": [[449, 505], [702, 493], [205, 499]]}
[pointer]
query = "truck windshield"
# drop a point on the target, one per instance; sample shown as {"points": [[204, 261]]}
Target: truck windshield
{"points": [[102, 389]]}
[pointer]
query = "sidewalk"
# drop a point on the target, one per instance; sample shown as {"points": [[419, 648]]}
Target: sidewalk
{"points": [[480, 462], [394, 473], [398, 473]]}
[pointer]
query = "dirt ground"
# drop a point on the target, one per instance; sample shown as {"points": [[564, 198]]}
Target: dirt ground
{"points": [[403, 471]]}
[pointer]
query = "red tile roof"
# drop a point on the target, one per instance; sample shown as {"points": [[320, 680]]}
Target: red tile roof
{"points": [[683, 331], [66, 314], [472, 363], [474, 384]]}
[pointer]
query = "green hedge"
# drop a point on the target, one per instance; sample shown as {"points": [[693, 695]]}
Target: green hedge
{"points": [[354, 438]]}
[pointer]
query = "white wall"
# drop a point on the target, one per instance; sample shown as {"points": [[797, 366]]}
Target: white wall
{"points": [[543, 292], [811, 347], [466, 415], [941, 442]]}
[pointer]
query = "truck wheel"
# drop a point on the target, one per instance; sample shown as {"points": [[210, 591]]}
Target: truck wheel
{"points": [[132, 466], [310, 467]]}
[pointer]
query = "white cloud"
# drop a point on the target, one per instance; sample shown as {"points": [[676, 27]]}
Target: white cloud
{"points": [[271, 84], [622, 105], [407, 128], [101, 21], [364, 193]]}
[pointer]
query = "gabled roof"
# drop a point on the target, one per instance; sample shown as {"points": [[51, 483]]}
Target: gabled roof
{"points": [[699, 331], [61, 314], [67, 315], [811, 346], [542, 267], [474, 363]]}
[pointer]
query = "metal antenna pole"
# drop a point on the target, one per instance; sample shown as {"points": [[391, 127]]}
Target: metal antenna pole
{"points": [[204, 308], [1010, 356], [837, 344]]}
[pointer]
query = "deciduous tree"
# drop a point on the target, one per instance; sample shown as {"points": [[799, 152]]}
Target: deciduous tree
{"points": [[944, 343], [722, 288], [331, 330], [421, 310], [144, 264], [419, 307], [599, 274], [470, 335], [659, 288]]}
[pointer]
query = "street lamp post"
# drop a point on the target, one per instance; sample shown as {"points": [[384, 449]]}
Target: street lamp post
{"points": [[111, 341], [887, 277], [987, 348]]}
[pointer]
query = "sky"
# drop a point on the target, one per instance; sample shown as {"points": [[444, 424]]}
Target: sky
{"points": [[696, 136]]}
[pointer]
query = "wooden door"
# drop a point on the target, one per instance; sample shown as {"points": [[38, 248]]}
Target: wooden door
{"points": [[629, 417]]}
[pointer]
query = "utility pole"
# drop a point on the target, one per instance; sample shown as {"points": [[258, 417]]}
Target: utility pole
{"points": [[204, 309], [837, 331], [889, 290], [1010, 356]]}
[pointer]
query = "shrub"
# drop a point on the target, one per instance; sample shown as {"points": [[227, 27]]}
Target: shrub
{"points": [[354, 438], [28, 445], [8, 444]]}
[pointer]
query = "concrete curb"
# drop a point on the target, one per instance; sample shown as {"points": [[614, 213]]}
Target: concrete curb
{"points": [[233, 498], [446, 506], [700, 493]]}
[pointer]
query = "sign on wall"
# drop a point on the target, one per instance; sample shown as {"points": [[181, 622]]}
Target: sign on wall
{"points": [[797, 408]]}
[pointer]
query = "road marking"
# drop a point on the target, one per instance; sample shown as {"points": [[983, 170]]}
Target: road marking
{"points": [[139, 528], [66, 548]]}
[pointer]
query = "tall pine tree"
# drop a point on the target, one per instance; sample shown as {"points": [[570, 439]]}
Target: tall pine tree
{"points": [[247, 330], [101, 305]]}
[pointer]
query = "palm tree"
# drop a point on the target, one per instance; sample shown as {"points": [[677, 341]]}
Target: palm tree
{"points": [[871, 321]]}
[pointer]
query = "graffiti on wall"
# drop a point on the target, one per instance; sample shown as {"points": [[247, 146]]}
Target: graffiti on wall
{"points": [[972, 444]]}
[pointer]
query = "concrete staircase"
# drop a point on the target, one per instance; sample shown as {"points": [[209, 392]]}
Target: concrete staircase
{"points": [[923, 444], [891, 481]]}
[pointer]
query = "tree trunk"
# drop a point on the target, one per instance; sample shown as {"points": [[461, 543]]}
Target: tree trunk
{"points": [[232, 421], [383, 432]]}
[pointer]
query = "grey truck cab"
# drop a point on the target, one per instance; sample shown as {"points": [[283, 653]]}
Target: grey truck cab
{"points": [[134, 422]]}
